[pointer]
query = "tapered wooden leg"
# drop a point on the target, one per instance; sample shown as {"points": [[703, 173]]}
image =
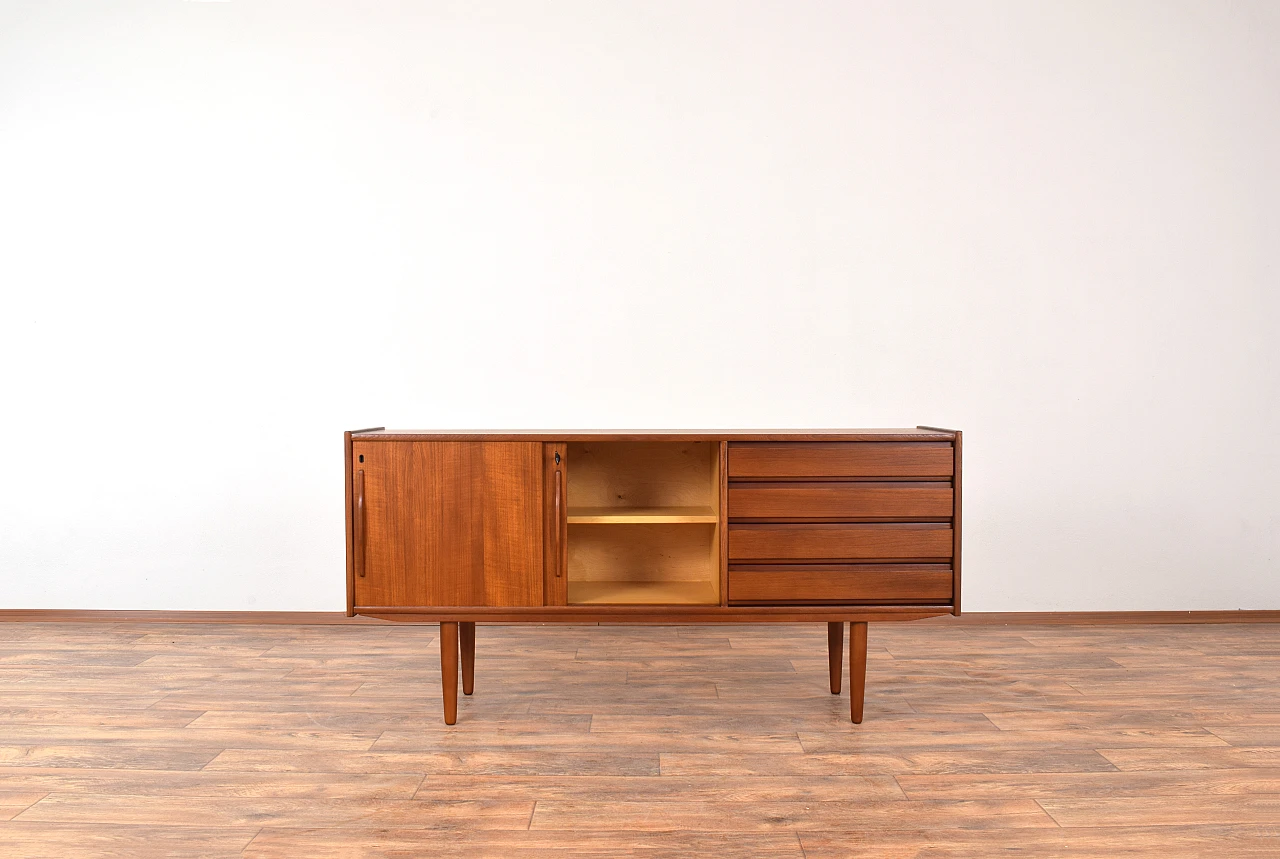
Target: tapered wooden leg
{"points": [[449, 670], [835, 653], [467, 633], [857, 669]]}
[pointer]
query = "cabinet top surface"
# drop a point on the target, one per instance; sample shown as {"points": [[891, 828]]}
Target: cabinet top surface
{"points": [[902, 434]]}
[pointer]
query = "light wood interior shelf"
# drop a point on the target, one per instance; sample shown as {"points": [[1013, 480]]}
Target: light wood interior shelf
{"points": [[643, 593], [641, 515]]}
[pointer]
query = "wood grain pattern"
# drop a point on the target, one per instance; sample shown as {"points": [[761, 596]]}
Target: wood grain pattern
{"points": [[799, 460], [451, 523], [424, 538], [895, 542], [276, 740], [782, 584], [841, 502], [511, 497]]}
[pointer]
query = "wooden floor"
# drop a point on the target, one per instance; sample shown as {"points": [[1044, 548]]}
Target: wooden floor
{"points": [[308, 742]]}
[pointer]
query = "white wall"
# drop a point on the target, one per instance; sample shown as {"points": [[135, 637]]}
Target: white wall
{"points": [[233, 230]]}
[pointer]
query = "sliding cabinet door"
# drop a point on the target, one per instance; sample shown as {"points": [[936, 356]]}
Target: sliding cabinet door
{"points": [[447, 523]]}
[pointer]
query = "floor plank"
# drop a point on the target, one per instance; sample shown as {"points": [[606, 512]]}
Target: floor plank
{"points": [[20, 840], [797, 816]]}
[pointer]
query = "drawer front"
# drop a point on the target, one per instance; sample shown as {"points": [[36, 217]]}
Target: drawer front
{"points": [[800, 460], [840, 501], [792, 584], [840, 542]]}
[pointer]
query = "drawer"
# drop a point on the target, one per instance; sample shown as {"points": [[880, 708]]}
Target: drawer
{"points": [[840, 501], [897, 542], [783, 460], [790, 584]]}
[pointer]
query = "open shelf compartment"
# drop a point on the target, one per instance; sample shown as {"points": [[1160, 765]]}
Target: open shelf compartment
{"points": [[644, 524]]}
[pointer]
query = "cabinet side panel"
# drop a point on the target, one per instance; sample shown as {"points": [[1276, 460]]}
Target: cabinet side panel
{"points": [[513, 524], [351, 556], [956, 526]]}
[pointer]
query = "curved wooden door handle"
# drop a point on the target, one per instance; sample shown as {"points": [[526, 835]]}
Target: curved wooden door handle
{"points": [[360, 523], [559, 518]]}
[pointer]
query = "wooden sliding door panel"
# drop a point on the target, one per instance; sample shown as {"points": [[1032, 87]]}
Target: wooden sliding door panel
{"points": [[839, 542], [840, 459], [512, 503], [840, 501], [421, 543], [449, 523]]}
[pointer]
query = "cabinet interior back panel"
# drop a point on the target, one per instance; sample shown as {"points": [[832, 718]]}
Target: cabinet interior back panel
{"points": [[643, 553], [643, 474]]}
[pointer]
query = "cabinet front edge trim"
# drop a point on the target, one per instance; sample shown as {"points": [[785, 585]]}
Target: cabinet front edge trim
{"points": [[657, 614]]}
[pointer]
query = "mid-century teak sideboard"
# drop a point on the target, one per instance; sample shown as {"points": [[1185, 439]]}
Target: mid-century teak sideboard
{"points": [[653, 527]]}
